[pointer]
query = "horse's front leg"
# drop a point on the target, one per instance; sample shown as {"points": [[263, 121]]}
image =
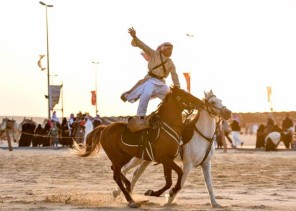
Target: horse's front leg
{"points": [[186, 170], [206, 169]]}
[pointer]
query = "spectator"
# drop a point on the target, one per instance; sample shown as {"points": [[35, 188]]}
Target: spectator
{"points": [[97, 121], [272, 141], [287, 127], [219, 138], [235, 127], [88, 125], [260, 143], [54, 117], [65, 139], [227, 130], [54, 135], [269, 124], [70, 123]]}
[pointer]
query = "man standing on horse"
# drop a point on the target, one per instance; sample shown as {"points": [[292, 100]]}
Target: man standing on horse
{"points": [[153, 85]]}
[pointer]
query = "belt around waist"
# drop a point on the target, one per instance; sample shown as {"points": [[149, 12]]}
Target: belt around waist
{"points": [[155, 76]]}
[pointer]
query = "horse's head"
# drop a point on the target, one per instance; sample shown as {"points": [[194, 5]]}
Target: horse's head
{"points": [[215, 107], [186, 100]]}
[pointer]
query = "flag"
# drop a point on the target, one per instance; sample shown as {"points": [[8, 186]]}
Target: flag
{"points": [[268, 93], [93, 97], [39, 62], [187, 77], [54, 94], [146, 57]]}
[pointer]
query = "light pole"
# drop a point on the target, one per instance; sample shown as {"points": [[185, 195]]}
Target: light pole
{"points": [[47, 46], [96, 70], [52, 77]]}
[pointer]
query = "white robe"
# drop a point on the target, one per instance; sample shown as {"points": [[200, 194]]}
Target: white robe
{"points": [[88, 128]]}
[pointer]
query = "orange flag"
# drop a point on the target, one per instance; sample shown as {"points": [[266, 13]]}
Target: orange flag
{"points": [[187, 77], [39, 62], [93, 97]]}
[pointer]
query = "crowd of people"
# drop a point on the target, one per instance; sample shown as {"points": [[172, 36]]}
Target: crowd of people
{"points": [[62, 132], [268, 136], [271, 134]]}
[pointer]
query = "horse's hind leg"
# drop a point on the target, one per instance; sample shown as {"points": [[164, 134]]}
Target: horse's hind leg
{"points": [[138, 172], [130, 165], [117, 176], [168, 166]]}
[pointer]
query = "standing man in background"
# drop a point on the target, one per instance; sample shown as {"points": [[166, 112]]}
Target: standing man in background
{"points": [[288, 129]]}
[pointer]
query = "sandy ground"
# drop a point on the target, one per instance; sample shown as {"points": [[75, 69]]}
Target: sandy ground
{"points": [[55, 179]]}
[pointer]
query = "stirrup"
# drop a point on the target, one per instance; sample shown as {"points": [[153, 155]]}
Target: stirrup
{"points": [[137, 124]]}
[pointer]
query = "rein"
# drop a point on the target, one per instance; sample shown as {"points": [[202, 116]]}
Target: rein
{"points": [[212, 113], [211, 140]]}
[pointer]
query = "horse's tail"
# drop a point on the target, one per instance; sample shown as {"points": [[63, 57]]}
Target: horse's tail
{"points": [[92, 145]]}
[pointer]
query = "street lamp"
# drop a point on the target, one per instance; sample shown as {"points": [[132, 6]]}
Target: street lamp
{"points": [[52, 77], [48, 83], [96, 70]]}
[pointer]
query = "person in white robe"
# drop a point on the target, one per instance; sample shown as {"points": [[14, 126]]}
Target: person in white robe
{"points": [[153, 85]]}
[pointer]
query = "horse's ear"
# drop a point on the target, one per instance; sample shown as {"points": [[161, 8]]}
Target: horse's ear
{"points": [[211, 92], [206, 95]]}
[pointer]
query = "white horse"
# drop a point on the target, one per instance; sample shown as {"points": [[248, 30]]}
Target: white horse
{"points": [[197, 152]]}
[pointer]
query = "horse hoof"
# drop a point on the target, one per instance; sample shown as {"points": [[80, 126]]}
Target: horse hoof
{"points": [[172, 193], [133, 205], [217, 205], [115, 193], [148, 193]]}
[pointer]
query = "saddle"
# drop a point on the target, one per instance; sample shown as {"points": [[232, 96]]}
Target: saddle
{"points": [[143, 138], [188, 130], [136, 124]]}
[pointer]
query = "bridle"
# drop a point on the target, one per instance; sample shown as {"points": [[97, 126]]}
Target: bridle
{"points": [[210, 109]]}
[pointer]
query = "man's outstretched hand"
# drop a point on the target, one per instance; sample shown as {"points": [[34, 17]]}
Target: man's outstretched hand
{"points": [[132, 32]]}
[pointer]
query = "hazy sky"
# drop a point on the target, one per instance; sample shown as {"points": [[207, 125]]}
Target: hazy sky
{"points": [[239, 48]]}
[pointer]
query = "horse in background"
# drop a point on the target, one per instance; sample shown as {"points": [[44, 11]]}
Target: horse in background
{"points": [[12, 127], [198, 148], [166, 131], [2, 129]]}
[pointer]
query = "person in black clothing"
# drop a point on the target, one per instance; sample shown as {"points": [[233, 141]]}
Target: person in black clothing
{"points": [[260, 136], [287, 127]]}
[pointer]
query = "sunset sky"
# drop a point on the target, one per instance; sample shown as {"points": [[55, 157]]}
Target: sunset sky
{"points": [[237, 49]]}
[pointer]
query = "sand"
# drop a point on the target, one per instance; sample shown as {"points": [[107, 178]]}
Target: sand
{"points": [[55, 179]]}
